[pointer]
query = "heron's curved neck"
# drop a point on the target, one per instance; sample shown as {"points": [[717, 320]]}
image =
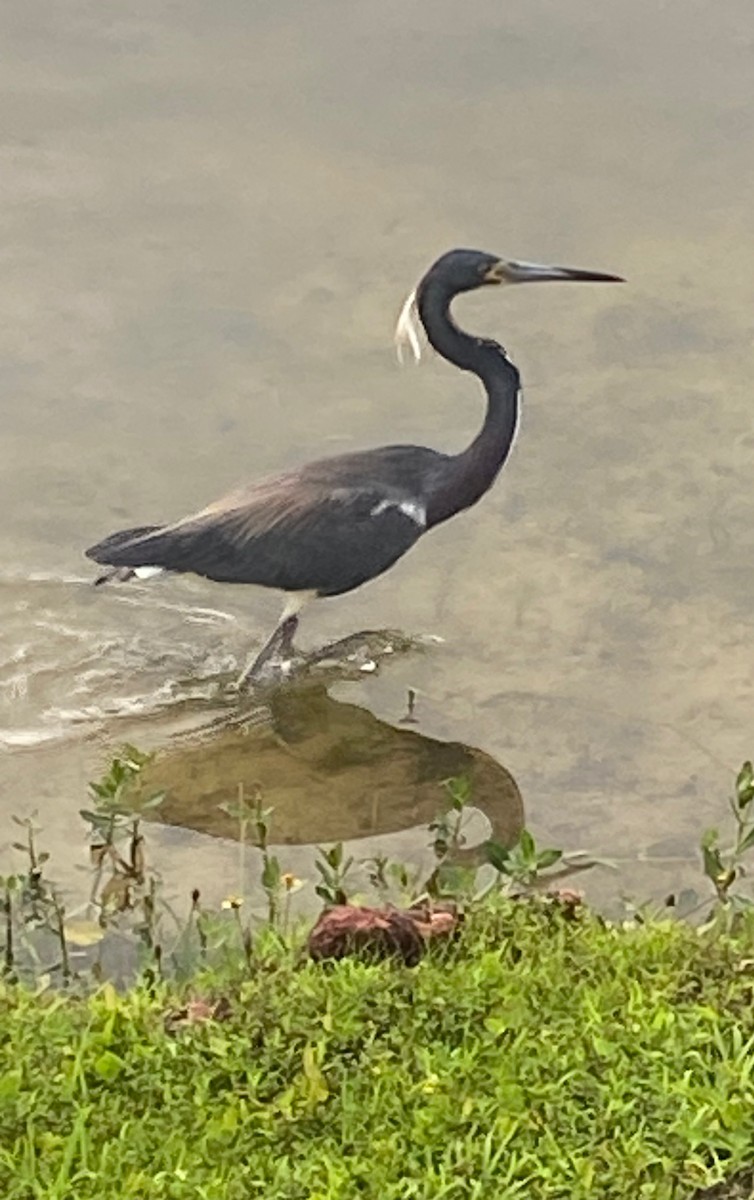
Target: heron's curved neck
{"points": [[472, 472]]}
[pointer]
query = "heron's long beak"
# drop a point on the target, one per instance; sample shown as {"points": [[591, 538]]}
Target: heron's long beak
{"points": [[523, 272]]}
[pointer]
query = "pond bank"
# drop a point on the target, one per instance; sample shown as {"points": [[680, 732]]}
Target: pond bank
{"points": [[542, 1052]]}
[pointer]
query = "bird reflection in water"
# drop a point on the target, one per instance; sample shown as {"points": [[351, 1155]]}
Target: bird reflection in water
{"points": [[330, 771]]}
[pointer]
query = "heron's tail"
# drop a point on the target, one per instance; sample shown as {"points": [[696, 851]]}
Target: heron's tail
{"points": [[107, 552]]}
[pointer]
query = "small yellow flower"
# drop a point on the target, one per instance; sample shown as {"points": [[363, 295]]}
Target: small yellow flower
{"points": [[290, 882], [233, 902]]}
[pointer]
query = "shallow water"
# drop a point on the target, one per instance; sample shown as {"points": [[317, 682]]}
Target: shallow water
{"points": [[209, 220]]}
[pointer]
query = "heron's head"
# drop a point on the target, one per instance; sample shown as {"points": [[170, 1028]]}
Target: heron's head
{"points": [[465, 270]]}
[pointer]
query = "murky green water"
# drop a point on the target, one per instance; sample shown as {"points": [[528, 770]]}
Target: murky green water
{"points": [[210, 216]]}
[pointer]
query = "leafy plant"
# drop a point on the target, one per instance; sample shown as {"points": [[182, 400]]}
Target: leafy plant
{"points": [[333, 868], [255, 821], [724, 867], [113, 820], [31, 907], [523, 864], [451, 877], [447, 826]]}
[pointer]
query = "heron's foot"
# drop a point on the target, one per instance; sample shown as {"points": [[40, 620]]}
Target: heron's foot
{"points": [[350, 657], [361, 653]]}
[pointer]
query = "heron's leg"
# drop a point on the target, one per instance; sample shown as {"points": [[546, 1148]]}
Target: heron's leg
{"points": [[287, 630], [280, 642]]}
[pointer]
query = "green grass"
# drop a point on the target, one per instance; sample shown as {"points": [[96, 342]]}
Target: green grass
{"points": [[536, 1057]]}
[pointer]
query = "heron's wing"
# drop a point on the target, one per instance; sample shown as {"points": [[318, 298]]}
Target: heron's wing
{"points": [[293, 532]]}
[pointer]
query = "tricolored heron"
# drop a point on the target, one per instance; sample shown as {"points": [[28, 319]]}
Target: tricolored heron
{"points": [[327, 527]]}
